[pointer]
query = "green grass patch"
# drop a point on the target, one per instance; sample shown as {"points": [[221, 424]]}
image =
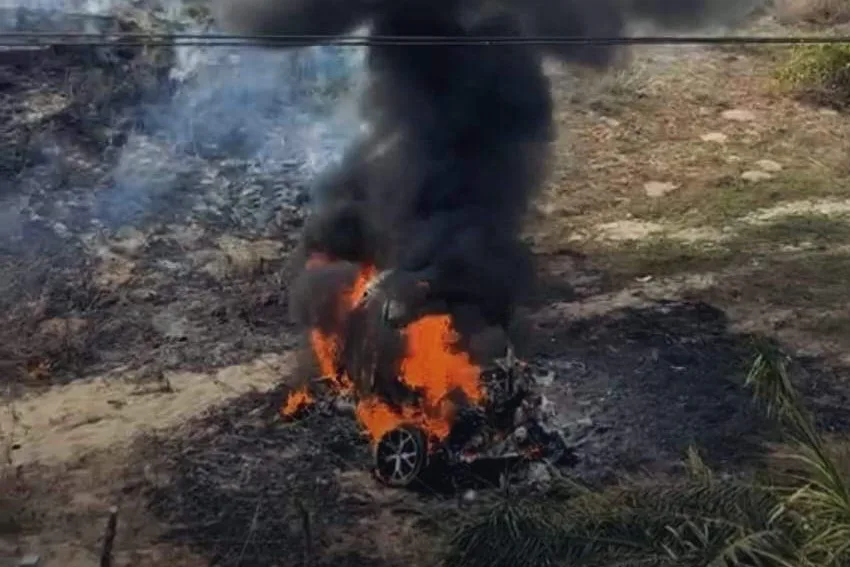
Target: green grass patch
{"points": [[819, 230], [662, 256], [734, 198], [812, 269], [820, 73]]}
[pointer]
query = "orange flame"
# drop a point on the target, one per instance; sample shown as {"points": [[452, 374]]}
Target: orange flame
{"points": [[432, 366], [437, 372], [296, 401]]}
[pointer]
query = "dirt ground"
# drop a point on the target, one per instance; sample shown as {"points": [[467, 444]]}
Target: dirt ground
{"points": [[692, 207]]}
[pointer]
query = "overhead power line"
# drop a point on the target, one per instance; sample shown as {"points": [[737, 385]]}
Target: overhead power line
{"points": [[46, 39]]}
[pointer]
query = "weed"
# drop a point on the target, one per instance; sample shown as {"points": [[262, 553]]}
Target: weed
{"points": [[820, 73]]}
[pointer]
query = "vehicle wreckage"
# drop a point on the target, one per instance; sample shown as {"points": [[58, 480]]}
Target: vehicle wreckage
{"points": [[515, 424], [512, 422]]}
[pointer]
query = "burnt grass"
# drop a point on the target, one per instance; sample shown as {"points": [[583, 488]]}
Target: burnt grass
{"points": [[246, 489], [654, 382], [66, 115]]}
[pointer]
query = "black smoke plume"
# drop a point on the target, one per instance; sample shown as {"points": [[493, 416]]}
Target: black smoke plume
{"points": [[458, 136]]}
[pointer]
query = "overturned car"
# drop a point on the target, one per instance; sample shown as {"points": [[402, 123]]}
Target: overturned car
{"points": [[425, 401]]}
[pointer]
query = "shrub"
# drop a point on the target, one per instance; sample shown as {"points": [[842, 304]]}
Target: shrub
{"points": [[819, 73]]}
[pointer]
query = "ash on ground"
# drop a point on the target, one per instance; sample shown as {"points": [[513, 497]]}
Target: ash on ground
{"points": [[146, 211]]}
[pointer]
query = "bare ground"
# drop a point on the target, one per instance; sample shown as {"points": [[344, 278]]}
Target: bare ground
{"points": [[144, 369]]}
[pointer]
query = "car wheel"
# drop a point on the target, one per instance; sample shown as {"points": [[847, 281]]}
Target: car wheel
{"points": [[400, 456]]}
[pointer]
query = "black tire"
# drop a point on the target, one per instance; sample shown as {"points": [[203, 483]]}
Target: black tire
{"points": [[400, 455]]}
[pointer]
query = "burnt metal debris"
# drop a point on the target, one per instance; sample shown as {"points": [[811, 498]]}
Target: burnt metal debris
{"points": [[515, 423]]}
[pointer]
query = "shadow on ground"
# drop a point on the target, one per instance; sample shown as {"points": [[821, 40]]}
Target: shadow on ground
{"points": [[651, 382]]}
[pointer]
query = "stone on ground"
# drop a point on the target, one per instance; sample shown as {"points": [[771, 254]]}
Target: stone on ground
{"points": [[769, 165], [755, 176], [739, 115], [658, 188], [715, 137]]}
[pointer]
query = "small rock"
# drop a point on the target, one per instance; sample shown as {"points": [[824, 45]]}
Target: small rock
{"points": [[715, 137], [756, 176], [470, 495], [828, 112], [768, 165], [610, 122], [29, 561], [739, 115], [658, 188]]}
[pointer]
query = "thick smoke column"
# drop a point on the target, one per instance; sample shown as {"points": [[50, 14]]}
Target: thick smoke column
{"points": [[458, 136]]}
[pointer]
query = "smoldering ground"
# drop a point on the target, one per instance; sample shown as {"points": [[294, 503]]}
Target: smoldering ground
{"points": [[457, 138]]}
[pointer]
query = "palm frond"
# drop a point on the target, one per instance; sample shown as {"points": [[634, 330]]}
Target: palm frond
{"points": [[699, 520], [696, 467], [823, 495], [511, 533]]}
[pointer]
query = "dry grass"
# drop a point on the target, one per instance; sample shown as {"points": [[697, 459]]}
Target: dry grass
{"points": [[698, 121], [822, 12], [654, 133], [50, 331]]}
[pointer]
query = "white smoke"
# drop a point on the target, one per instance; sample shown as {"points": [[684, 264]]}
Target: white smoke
{"points": [[269, 108]]}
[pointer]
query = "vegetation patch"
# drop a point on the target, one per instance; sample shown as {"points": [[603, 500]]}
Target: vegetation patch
{"points": [[818, 73], [810, 229], [663, 256], [733, 198], [799, 518]]}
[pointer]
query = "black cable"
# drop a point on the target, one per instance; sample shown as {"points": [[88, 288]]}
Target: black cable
{"points": [[17, 39]]}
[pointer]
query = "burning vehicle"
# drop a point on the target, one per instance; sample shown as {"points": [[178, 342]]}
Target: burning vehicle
{"points": [[438, 407], [414, 259]]}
